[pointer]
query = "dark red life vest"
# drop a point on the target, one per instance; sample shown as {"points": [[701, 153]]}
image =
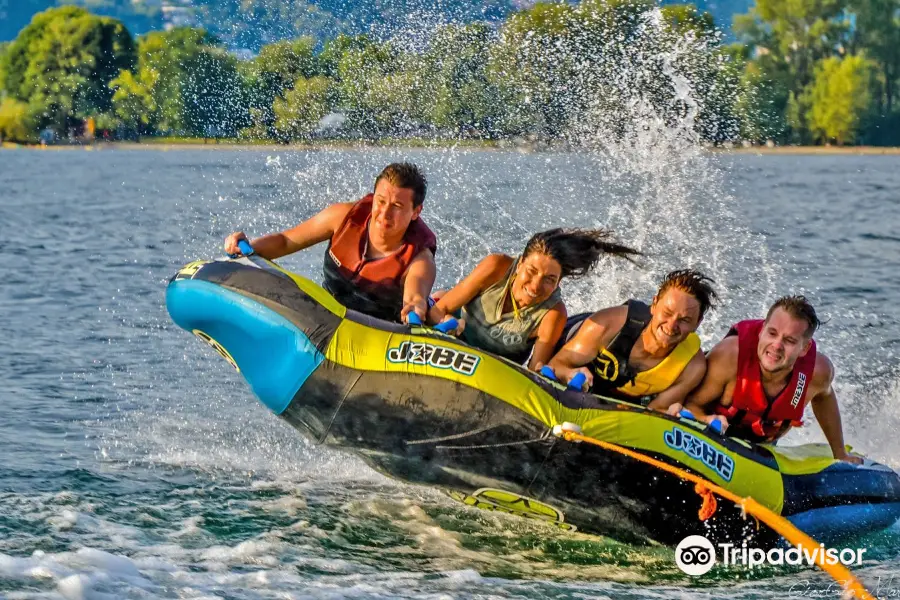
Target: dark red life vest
{"points": [[751, 414], [373, 287]]}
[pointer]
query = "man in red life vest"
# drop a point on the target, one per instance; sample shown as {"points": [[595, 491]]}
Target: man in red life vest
{"points": [[763, 373], [380, 257]]}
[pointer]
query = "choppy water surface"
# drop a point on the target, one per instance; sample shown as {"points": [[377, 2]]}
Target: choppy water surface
{"points": [[135, 462]]}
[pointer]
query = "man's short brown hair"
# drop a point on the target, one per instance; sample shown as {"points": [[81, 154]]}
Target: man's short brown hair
{"points": [[407, 176], [799, 308], [691, 282]]}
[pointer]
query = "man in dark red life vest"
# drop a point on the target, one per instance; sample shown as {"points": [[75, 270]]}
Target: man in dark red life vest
{"points": [[380, 257], [761, 376]]}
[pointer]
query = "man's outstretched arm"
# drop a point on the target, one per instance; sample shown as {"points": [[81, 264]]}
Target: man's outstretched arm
{"points": [[417, 285], [579, 351], [314, 230], [825, 407]]}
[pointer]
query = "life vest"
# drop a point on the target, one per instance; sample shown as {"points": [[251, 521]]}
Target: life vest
{"points": [[371, 286], [751, 414], [614, 375]]}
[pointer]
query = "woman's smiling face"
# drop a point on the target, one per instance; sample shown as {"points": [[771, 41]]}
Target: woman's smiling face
{"points": [[537, 277]]}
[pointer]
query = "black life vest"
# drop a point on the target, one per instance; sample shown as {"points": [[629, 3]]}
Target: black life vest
{"points": [[611, 368]]}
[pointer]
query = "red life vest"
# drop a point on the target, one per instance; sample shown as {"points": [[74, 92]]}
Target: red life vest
{"points": [[373, 286], [751, 414]]}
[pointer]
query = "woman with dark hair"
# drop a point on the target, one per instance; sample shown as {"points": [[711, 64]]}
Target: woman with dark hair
{"points": [[512, 306]]}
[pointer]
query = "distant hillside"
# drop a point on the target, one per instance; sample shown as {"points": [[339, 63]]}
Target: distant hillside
{"points": [[139, 17], [252, 23], [724, 11]]}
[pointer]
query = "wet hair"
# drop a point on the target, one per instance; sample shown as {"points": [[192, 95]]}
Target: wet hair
{"points": [[691, 282], [799, 308], [407, 176], [577, 250]]}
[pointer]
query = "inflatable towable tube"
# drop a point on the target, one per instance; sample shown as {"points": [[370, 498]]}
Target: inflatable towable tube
{"points": [[426, 408]]}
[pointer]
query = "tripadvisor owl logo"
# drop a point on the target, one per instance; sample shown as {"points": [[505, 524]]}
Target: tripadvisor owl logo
{"points": [[695, 555]]}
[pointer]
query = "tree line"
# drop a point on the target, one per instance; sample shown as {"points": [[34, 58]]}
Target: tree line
{"points": [[806, 71]]}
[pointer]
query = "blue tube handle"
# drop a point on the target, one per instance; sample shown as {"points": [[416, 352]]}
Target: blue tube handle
{"points": [[547, 372], [686, 414], [577, 382], [715, 425], [246, 248], [447, 326], [413, 318]]}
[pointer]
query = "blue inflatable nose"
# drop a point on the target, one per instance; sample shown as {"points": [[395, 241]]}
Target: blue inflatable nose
{"points": [[272, 354]]}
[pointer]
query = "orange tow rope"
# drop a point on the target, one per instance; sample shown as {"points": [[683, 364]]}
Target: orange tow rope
{"points": [[748, 505]]}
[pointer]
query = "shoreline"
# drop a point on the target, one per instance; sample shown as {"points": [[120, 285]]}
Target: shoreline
{"points": [[813, 150], [427, 144], [267, 146]]}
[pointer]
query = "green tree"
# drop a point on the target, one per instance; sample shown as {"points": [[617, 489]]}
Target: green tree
{"points": [[839, 98], [462, 95], [4, 48], [787, 40], [298, 114], [186, 84], [335, 48], [16, 123], [798, 33], [764, 91], [280, 64], [108, 121], [606, 37], [531, 65], [713, 73], [133, 100], [685, 18], [162, 58], [272, 74], [61, 65], [380, 89], [877, 33], [563, 68], [212, 94]]}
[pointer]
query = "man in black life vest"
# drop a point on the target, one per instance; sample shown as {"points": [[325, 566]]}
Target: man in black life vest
{"points": [[762, 375], [380, 257], [639, 352]]}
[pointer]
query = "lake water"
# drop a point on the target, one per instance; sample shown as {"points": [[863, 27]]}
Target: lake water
{"points": [[136, 464]]}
